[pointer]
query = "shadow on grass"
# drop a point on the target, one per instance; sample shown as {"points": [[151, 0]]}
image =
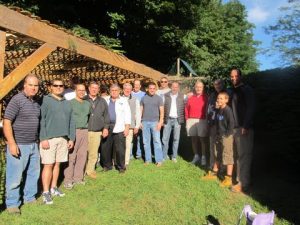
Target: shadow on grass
{"points": [[276, 155], [212, 220], [275, 182]]}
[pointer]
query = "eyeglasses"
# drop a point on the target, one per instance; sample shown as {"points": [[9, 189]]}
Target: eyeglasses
{"points": [[58, 85], [164, 81]]}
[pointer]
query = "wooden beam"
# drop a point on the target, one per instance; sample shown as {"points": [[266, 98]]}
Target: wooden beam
{"points": [[25, 25], [2, 60], [2, 53], [12, 79]]}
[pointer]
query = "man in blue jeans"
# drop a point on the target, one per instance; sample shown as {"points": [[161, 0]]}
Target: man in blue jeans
{"points": [[20, 126], [152, 110], [173, 118], [138, 139]]}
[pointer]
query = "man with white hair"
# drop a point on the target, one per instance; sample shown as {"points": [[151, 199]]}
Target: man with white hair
{"points": [[135, 109], [196, 124], [120, 120]]}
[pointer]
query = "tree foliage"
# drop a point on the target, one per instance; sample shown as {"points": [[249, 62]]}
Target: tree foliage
{"points": [[221, 39], [210, 35], [286, 33]]}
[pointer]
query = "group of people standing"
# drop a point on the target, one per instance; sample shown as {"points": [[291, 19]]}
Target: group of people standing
{"points": [[58, 130]]}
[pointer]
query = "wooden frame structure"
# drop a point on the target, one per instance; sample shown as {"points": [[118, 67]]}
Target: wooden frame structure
{"points": [[31, 45]]}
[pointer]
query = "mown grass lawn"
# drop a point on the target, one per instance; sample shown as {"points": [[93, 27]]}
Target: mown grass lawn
{"points": [[172, 194]]}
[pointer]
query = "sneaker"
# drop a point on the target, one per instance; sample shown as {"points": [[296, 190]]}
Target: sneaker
{"points": [[68, 186], [146, 163], [227, 182], [203, 160], [211, 175], [79, 182], [47, 198], [14, 211], [56, 192], [174, 160], [195, 159]]}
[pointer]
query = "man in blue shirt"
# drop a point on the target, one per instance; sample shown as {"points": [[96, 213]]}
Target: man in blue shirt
{"points": [[138, 140]]}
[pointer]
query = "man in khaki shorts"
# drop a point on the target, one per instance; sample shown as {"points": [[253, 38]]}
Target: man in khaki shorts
{"points": [[196, 123], [57, 135]]}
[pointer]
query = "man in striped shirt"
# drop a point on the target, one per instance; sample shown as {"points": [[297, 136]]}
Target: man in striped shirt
{"points": [[20, 126]]}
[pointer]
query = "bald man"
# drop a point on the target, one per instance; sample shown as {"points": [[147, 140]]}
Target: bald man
{"points": [[20, 126]]}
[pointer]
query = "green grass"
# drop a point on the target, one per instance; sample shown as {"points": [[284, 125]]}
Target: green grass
{"points": [[172, 194]]}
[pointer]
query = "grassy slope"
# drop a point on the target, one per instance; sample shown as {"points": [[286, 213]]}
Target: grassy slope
{"points": [[173, 194]]}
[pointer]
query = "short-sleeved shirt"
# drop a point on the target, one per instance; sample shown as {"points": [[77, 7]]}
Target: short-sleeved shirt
{"points": [[81, 112], [139, 95], [25, 115], [151, 105]]}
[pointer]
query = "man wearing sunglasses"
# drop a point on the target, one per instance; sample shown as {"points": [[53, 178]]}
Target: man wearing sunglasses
{"points": [[164, 88], [57, 135]]}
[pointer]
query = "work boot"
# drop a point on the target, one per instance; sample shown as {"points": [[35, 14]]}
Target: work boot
{"points": [[239, 189], [92, 175], [211, 175], [227, 182]]}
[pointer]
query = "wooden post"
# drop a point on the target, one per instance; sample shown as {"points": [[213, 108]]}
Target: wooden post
{"points": [[178, 67], [12, 79], [2, 57]]}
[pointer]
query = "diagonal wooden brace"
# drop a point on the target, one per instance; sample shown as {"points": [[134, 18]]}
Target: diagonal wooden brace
{"points": [[2, 53], [18, 74]]}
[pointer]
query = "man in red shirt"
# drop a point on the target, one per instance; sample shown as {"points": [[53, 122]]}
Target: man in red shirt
{"points": [[196, 124]]}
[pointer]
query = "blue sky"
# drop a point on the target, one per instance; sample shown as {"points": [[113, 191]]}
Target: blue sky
{"points": [[263, 13]]}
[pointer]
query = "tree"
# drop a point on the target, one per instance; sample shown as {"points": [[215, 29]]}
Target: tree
{"points": [[211, 36], [221, 39], [286, 33]]}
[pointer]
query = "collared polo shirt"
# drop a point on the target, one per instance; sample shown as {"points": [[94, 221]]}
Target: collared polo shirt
{"points": [[25, 115]]}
